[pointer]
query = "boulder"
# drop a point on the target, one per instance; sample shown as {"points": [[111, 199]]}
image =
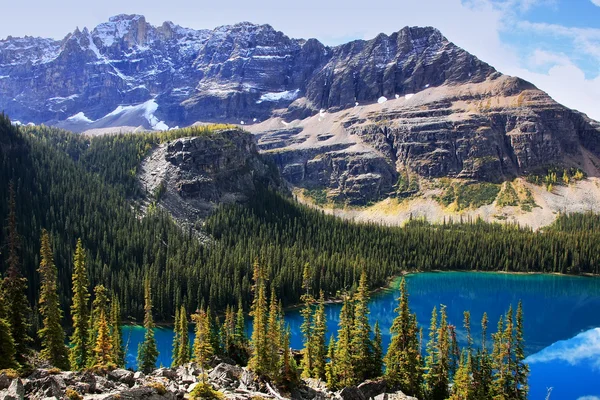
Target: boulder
{"points": [[15, 391], [165, 373], [372, 388], [350, 393], [4, 381], [123, 376]]}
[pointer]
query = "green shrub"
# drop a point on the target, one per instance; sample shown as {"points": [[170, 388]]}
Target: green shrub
{"points": [[73, 394], [204, 391]]}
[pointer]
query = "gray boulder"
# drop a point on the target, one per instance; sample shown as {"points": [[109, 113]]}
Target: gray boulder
{"points": [[123, 376], [371, 389], [350, 393], [15, 391]]}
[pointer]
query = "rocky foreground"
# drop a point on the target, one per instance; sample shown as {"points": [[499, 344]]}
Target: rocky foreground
{"points": [[232, 381]]}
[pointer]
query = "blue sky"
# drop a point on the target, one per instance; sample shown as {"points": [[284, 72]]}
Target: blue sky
{"points": [[553, 43]]}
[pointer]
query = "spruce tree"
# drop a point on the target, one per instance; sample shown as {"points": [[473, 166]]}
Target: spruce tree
{"points": [[147, 351], [482, 368], [214, 339], [274, 337], [461, 387], [499, 362], [431, 360], [318, 339], [203, 350], [361, 344], [260, 359], [99, 305], [7, 350], [14, 286], [103, 350], [330, 368], [183, 355], [116, 333], [344, 362], [307, 324], [176, 340], [403, 359], [80, 354], [377, 358], [521, 374], [51, 335]]}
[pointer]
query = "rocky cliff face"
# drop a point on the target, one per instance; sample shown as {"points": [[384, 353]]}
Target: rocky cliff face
{"points": [[349, 120], [191, 176]]}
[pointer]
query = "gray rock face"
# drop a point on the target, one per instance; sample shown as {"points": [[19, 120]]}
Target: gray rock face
{"points": [[231, 73], [198, 173]]}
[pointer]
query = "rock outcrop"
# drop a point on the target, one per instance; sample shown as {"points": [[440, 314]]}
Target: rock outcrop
{"points": [[191, 176], [348, 120], [234, 382]]}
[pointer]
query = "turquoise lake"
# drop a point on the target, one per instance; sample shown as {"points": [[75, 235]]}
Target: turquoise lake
{"points": [[561, 322]]}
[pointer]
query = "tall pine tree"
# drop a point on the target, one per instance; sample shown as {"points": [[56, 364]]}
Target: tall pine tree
{"points": [[80, 350], [15, 288], [147, 351], [260, 350], [51, 335], [361, 344], [116, 332], [403, 359]]}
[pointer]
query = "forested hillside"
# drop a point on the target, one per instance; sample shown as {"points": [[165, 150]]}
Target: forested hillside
{"points": [[81, 187]]}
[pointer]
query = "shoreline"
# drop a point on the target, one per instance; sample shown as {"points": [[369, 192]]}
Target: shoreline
{"points": [[390, 283]]}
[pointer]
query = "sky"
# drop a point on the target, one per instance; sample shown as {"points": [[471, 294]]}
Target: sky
{"points": [[554, 44]]}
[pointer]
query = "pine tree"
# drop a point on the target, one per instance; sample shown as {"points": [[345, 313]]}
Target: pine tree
{"points": [[307, 325], [214, 339], [51, 335], [482, 370], [183, 355], [99, 305], [440, 390], [147, 351], [361, 344], [377, 359], [176, 339], [80, 354], [7, 350], [103, 351], [202, 347], [499, 362], [259, 360], [461, 388], [318, 339], [289, 376], [330, 368], [344, 363], [431, 375], [274, 337], [116, 333], [403, 359], [521, 373], [15, 288]]}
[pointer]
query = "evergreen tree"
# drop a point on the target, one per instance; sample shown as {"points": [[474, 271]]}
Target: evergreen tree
{"points": [[183, 355], [307, 324], [274, 337], [176, 339], [461, 387], [103, 351], [361, 344], [440, 389], [7, 350], [377, 359], [344, 363], [99, 305], [330, 368], [482, 370], [15, 288], [214, 339], [51, 335], [289, 370], [203, 349], [499, 362], [318, 339], [260, 359], [521, 374], [80, 354], [403, 359], [116, 333], [147, 351]]}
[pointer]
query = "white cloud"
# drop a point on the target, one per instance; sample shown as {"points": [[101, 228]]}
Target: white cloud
{"points": [[596, 2], [589, 397], [584, 347]]}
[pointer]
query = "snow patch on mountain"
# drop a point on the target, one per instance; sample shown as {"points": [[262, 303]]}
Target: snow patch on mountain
{"points": [[79, 117], [279, 96]]}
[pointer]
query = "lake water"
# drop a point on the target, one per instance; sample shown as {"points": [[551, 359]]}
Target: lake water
{"points": [[561, 322]]}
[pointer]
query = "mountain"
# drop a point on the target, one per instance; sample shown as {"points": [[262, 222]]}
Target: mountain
{"points": [[354, 124]]}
